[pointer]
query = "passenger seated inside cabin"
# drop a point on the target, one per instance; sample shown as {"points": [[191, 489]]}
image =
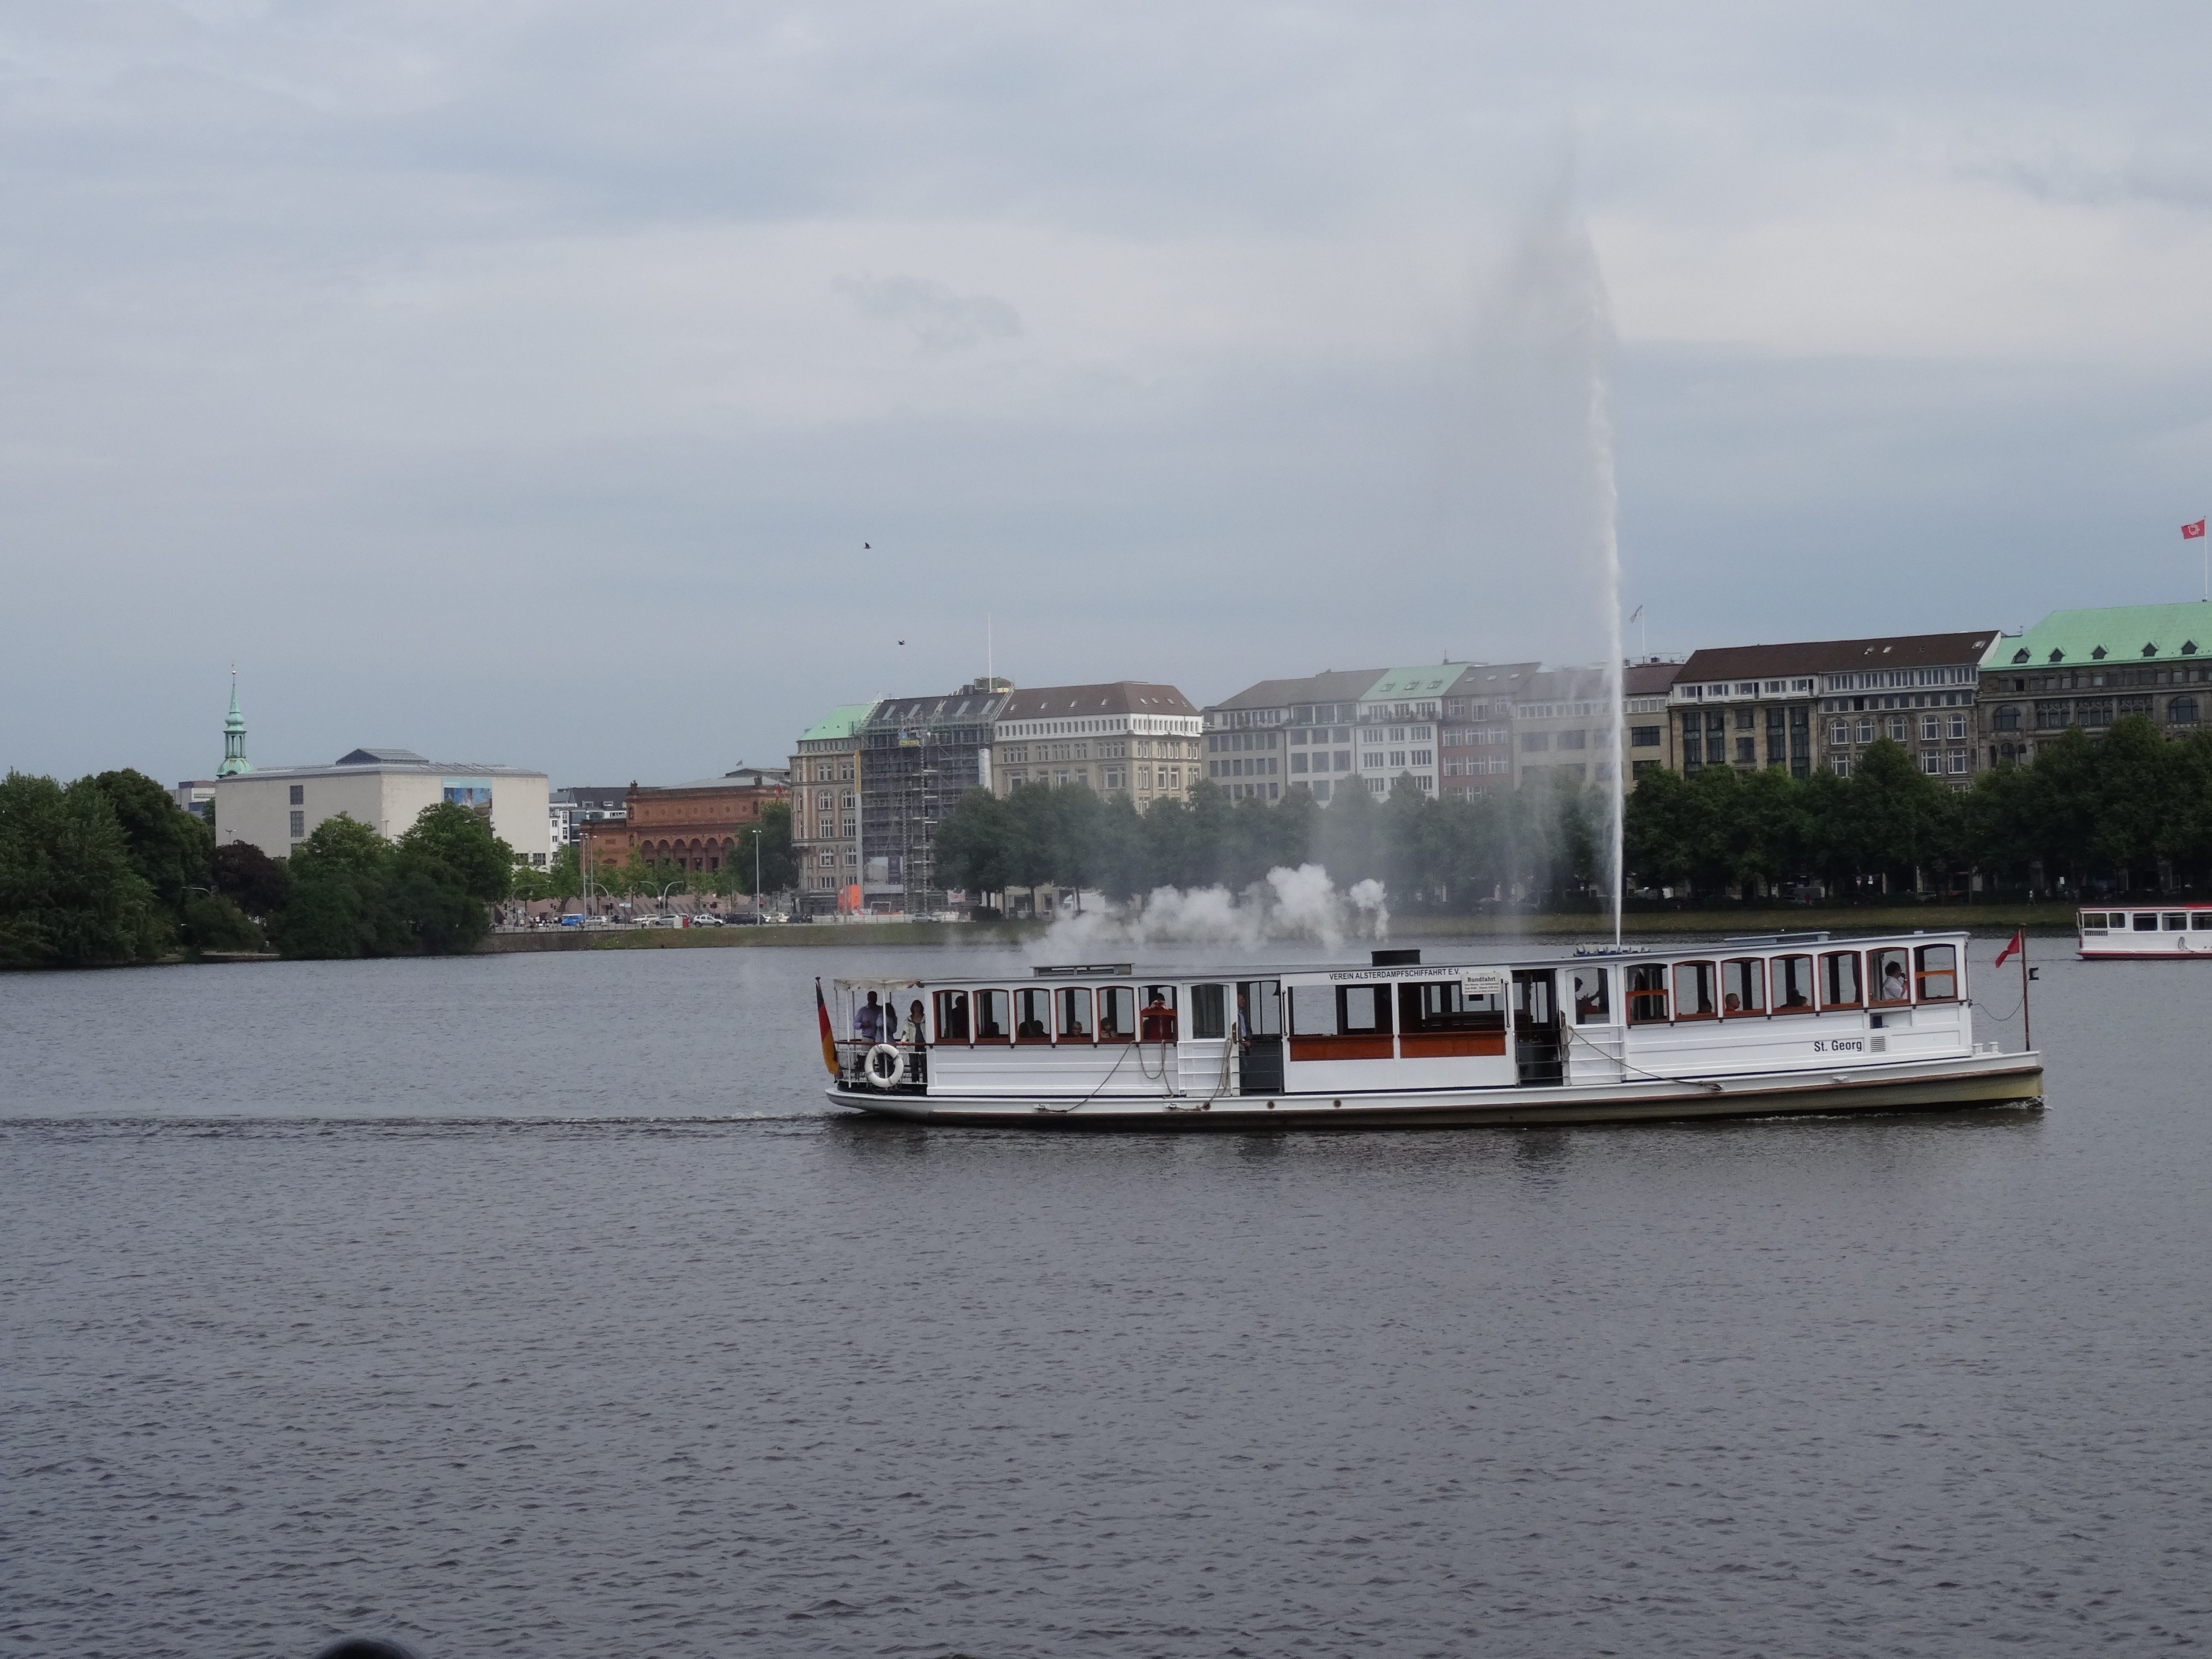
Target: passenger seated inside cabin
{"points": [[868, 1020], [910, 1033], [1795, 999], [1031, 1029], [1157, 1023], [1892, 981], [1731, 1004]]}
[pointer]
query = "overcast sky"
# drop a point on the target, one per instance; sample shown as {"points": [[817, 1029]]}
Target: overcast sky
{"points": [[519, 382]]}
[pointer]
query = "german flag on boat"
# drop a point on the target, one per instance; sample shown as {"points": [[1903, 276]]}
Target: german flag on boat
{"points": [[829, 1038]]}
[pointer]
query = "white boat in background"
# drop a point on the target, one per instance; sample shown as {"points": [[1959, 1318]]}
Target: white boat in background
{"points": [[1752, 1026], [2138, 931]]}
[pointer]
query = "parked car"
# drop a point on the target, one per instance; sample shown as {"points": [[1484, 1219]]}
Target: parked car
{"points": [[706, 919]]}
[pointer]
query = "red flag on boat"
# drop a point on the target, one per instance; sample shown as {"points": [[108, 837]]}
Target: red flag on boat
{"points": [[829, 1038], [2019, 944], [2190, 531]]}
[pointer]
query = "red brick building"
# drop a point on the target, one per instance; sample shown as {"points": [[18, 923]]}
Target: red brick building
{"points": [[692, 826]]}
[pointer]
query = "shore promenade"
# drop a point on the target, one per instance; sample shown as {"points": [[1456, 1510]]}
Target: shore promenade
{"points": [[2040, 920]]}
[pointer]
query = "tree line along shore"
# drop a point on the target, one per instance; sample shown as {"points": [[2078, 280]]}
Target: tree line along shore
{"points": [[108, 869], [2130, 811]]}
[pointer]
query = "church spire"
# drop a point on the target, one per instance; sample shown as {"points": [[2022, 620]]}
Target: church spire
{"points": [[234, 735]]}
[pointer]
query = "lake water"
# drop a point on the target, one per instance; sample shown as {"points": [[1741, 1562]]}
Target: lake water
{"points": [[539, 1305]]}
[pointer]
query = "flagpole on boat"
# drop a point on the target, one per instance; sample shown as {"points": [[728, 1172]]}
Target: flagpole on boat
{"points": [[2026, 1025]]}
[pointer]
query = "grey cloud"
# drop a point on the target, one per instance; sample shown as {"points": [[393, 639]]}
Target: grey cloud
{"points": [[211, 450], [940, 320], [2050, 174]]}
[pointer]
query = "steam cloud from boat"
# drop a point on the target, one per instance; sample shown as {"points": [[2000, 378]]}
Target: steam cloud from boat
{"points": [[1291, 903]]}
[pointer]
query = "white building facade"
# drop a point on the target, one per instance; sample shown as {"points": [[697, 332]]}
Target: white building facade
{"points": [[386, 789]]}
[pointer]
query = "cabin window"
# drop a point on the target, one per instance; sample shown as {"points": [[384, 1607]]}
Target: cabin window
{"points": [[1694, 990], [1938, 974], [2200, 922], [953, 1017], [1793, 985], [2093, 921], [1839, 979], [1743, 987], [994, 1016], [2174, 921], [1590, 1007], [1260, 1008], [1209, 1011], [1117, 1013], [1444, 1006], [1075, 1002], [1033, 1015], [1647, 994], [2146, 921], [1155, 1014], [1887, 979], [1363, 1010], [1313, 1011]]}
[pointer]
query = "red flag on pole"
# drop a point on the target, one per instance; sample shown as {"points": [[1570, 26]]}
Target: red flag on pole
{"points": [[829, 1038], [2019, 944], [2190, 531]]}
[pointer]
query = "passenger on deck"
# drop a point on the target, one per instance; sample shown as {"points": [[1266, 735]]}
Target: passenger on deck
{"points": [[868, 1020], [910, 1033], [1590, 1000]]}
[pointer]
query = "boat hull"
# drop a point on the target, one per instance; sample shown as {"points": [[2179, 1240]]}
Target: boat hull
{"points": [[1923, 1085]]}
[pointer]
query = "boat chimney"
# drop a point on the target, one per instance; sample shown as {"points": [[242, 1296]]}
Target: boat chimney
{"points": [[1396, 958]]}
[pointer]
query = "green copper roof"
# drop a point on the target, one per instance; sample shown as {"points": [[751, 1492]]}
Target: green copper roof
{"points": [[233, 737], [844, 720], [2116, 635], [1424, 682]]}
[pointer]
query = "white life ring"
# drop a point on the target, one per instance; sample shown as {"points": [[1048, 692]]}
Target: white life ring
{"points": [[885, 1065]]}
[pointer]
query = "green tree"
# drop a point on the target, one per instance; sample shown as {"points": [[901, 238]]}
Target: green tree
{"points": [[1905, 821], [1661, 826], [1348, 842], [69, 894], [434, 902], [2187, 838], [340, 906], [973, 848], [449, 834], [564, 876], [257, 883], [214, 923], [169, 848], [779, 862], [2000, 831], [2140, 781]]}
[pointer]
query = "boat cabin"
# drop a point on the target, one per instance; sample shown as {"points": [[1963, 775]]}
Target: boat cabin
{"points": [[1776, 1003], [2164, 930]]}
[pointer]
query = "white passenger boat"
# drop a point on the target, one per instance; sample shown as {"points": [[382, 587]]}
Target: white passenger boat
{"points": [[1755, 1026], [2143, 930]]}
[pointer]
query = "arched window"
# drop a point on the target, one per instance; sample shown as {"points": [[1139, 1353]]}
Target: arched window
{"points": [[2008, 718], [2182, 711]]}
